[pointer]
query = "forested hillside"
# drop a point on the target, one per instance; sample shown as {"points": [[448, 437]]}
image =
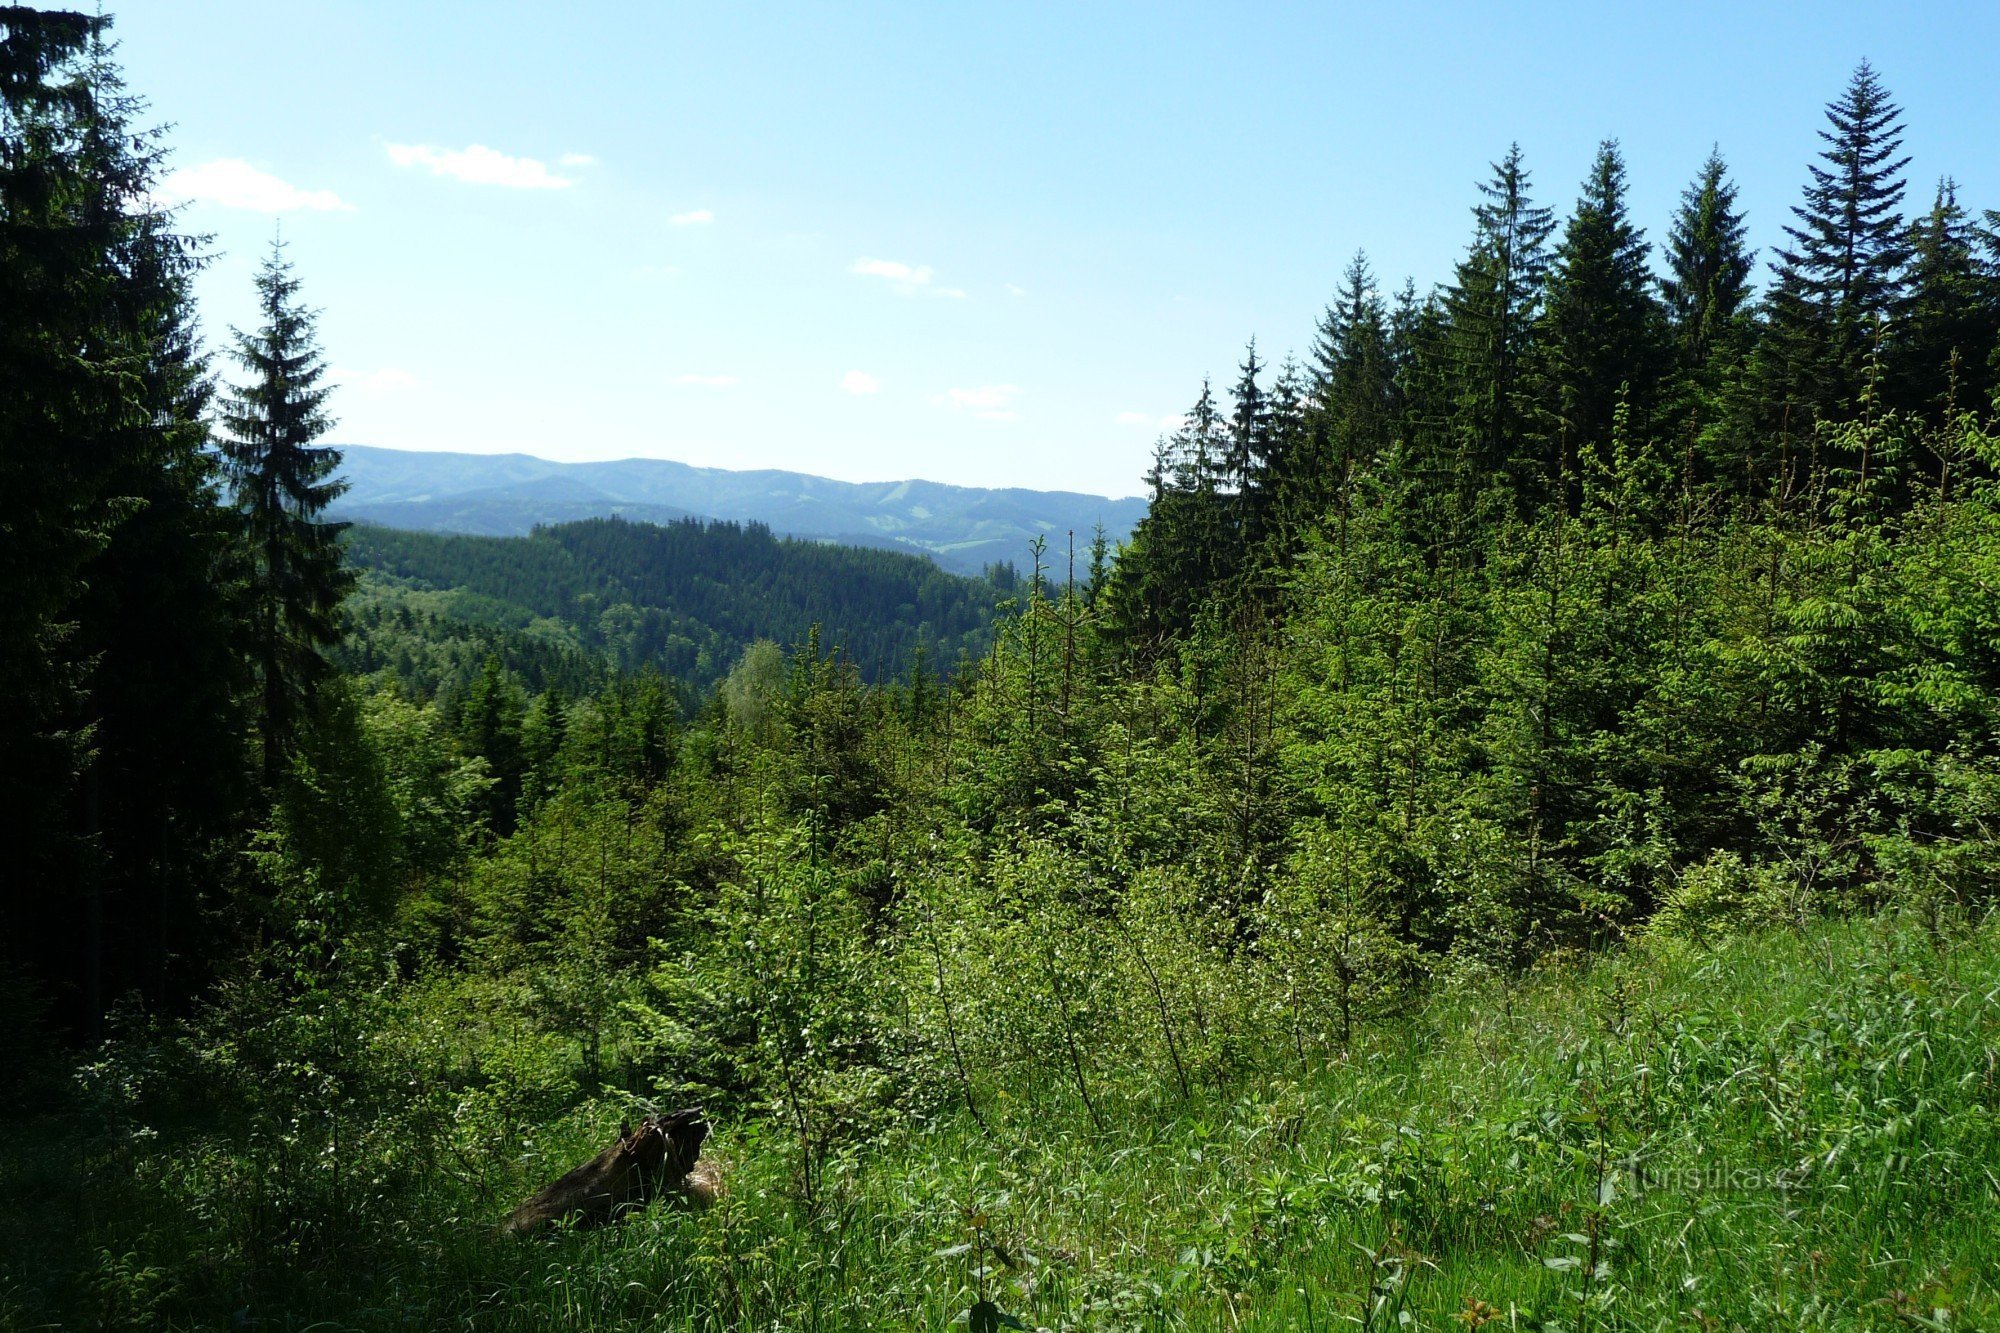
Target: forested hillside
{"points": [[435, 645], [1507, 844], [687, 598]]}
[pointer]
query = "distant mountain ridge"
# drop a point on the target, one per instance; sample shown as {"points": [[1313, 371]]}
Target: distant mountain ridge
{"points": [[964, 528]]}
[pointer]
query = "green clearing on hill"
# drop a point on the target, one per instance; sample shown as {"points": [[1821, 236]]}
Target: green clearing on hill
{"points": [[1788, 1130]]}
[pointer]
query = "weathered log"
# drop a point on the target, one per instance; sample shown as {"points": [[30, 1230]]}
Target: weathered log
{"points": [[660, 1157]]}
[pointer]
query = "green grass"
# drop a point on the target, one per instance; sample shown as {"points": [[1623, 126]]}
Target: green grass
{"points": [[1798, 1131]]}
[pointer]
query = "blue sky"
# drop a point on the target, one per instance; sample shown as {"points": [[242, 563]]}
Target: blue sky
{"points": [[988, 244]]}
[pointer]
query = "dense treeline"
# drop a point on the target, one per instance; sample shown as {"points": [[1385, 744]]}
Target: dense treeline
{"points": [[1504, 391], [1573, 605], [154, 622], [687, 597], [79, 436], [1610, 575]]}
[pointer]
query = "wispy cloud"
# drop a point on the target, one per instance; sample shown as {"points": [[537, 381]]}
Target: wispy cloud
{"points": [[1012, 290], [708, 381], [859, 382], [699, 217], [908, 279], [988, 402], [230, 182], [386, 380], [479, 165], [576, 160]]}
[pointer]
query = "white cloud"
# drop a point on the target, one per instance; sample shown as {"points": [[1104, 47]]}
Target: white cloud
{"points": [[859, 382], [988, 402], [708, 381], [1134, 418], [233, 183], [908, 279], [1172, 421], [386, 380], [479, 165], [576, 160], [699, 217]]}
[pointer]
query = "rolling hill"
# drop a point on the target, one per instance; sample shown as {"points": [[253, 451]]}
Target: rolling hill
{"points": [[963, 528], [685, 597]]}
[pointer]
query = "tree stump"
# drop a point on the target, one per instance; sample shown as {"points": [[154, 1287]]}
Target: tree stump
{"points": [[660, 1157]]}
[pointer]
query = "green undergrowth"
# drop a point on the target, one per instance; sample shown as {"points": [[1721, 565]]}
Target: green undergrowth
{"points": [[1785, 1130]]}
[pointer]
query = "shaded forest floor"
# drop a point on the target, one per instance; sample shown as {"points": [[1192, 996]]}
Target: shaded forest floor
{"points": [[1784, 1131]]}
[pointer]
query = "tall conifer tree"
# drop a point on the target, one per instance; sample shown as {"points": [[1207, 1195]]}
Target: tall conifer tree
{"points": [[1710, 328], [1708, 264], [159, 623], [1354, 372], [283, 482], [1249, 422], [1949, 319], [63, 382], [1251, 461], [1492, 305], [1596, 345], [118, 717], [1843, 270], [1179, 552], [1279, 508]]}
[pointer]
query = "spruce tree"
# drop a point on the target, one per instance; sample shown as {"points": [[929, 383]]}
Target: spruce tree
{"points": [[1596, 344], [1708, 264], [490, 726], [1404, 312], [283, 483], [1711, 328], [159, 621], [1198, 446], [1278, 508], [118, 710], [1492, 304], [1948, 321], [1842, 273], [1249, 422], [1354, 372], [1176, 556], [1100, 565], [1247, 446], [64, 377], [1430, 470]]}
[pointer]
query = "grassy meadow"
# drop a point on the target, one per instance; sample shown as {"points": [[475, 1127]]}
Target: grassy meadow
{"points": [[1784, 1130]]}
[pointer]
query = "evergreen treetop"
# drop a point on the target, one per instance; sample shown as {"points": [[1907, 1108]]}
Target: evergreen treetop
{"points": [[1842, 273], [1599, 321], [1947, 320], [1492, 304], [1708, 262], [1848, 248]]}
